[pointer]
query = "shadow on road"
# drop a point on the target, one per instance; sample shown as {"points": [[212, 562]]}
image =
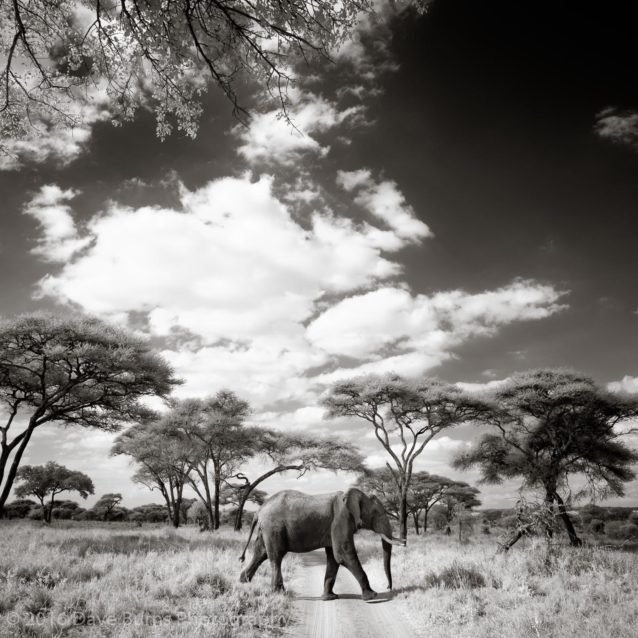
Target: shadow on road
{"points": [[381, 598]]}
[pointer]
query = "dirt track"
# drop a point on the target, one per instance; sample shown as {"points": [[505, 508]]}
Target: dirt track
{"points": [[347, 617]]}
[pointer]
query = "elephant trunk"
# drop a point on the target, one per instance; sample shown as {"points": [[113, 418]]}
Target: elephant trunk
{"points": [[387, 556]]}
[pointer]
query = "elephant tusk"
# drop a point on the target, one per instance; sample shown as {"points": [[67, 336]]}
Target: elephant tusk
{"points": [[393, 541]]}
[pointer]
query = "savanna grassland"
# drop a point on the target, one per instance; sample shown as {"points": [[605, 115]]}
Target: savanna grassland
{"points": [[73, 579], [449, 589], [110, 580]]}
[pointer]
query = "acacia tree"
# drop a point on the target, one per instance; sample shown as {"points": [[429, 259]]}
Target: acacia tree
{"points": [[71, 371], [218, 443], [459, 498], [405, 416], [426, 490], [106, 505], [289, 452], [49, 480], [164, 460], [551, 424]]}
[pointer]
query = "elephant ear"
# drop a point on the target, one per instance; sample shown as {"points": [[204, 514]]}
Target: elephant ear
{"points": [[352, 499], [345, 521]]}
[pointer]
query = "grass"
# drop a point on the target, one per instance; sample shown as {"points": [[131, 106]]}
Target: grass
{"points": [[454, 590], [109, 581]]}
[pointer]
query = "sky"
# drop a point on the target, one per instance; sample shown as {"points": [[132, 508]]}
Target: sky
{"points": [[457, 199]]}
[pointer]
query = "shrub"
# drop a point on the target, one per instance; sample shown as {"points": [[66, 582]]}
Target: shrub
{"points": [[456, 576], [596, 526], [622, 531], [19, 508]]}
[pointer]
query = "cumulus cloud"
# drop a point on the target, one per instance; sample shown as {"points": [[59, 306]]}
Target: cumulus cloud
{"points": [[626, 384], [402, 332], [271, 138], [385, 201], [617, 126], [60, 239], [247, 295]]}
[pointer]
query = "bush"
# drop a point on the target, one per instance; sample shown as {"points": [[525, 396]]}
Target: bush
{"points": [[622, 531], [456, 576], [596, 526], [19, 508]]}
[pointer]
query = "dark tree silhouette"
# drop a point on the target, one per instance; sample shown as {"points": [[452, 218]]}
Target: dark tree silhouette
{"points": [[71, 371], [49, 480], [549, 425], [106, 505]]}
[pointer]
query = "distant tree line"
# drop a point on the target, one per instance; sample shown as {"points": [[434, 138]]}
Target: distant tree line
{"points": [[542, 427]]}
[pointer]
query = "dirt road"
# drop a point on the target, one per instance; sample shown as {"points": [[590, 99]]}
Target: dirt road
{"points": [[347, 617]]}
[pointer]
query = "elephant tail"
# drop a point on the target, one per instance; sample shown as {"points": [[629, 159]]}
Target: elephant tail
{"points": [[242, 558]]}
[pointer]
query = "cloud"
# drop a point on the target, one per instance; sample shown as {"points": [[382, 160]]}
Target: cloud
{"points": [[228, 279], [272, 138], [60, 239], [619, 127], [403, 332], [57, 143], [244, 293], [384, 201], [626, 384]]}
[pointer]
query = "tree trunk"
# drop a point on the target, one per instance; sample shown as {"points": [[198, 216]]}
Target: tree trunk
{"points": [[562, 510], [403, 515], [43, 510], [425, 521], [251, 486], [14, 468], [415, 518], [50, 512], [239, 515], [218, 483], [515, 536]]}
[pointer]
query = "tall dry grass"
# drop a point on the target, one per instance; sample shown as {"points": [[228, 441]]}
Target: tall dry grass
{"points": [[132, 583], [453, 590]]}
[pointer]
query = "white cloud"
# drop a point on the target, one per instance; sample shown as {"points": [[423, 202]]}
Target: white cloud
{"points": [[481, 387], [271, 138], [249, 297], [626, 384], [385, 201], [619, 127], [405, 330], [59, 143], [60, 239]]}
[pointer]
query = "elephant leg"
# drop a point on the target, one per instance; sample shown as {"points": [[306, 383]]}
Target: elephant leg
{"points": [[277, 580], [351, 561], [259, 556], [332, 567]]}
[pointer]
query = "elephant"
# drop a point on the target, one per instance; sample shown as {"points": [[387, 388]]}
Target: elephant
{"points": [[291, 521]]}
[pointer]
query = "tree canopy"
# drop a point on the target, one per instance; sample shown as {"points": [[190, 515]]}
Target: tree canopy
{"points": [[551, 424], [71, 371], [130, 53], [49, 480], [425, 492], [405, 417], [163, 457]]}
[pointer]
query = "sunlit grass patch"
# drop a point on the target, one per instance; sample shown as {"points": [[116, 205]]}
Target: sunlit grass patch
{"points": [[469, 591], [103, 581]]}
